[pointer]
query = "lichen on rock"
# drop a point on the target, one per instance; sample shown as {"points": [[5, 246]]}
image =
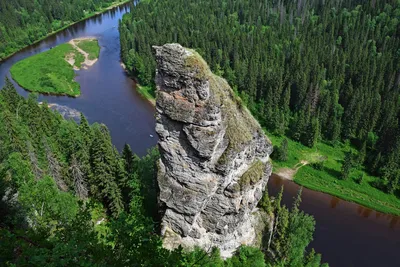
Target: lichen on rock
{"points": [[214, 162]]}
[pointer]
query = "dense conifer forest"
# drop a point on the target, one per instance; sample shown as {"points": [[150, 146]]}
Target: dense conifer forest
{"points": [[69, 198], [312, 70], [23, 22]]}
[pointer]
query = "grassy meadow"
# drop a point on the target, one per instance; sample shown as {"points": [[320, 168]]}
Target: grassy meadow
{"points": [[91, 47], [328, 178], [50, 73], [147, 92]]}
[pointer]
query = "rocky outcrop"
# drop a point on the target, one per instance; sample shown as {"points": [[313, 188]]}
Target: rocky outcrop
{"points": [[214, 162]]}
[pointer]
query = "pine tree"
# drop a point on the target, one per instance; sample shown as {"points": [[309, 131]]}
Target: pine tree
{"points": [[37, 171], [84, 128], [310, 136], [347, 165], [102, 176], [362, 153], [265, 203], [54, 167], [283, 150], [78, 177], [127, 155], [11, 96]]}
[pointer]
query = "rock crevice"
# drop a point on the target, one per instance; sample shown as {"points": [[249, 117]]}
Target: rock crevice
{"points": [[214, 162]]}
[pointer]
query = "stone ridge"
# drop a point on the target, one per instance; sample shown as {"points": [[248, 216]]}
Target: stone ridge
{"points": [[214, 162]]}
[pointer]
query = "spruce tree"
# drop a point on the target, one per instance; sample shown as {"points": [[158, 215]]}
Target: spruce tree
{"points": [[347, 165], [127, 155], [102, 177], [283, 150], [362, 154]]}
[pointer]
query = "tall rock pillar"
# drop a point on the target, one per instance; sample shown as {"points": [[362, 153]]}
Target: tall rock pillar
{"points": [[214, 162]]}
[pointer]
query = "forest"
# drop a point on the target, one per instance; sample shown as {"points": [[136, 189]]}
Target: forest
{"points": [[53, 71], [24, 22], [69, 198], [315, 71]]}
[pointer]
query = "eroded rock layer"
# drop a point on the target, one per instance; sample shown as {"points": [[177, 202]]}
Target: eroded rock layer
{"points": [[214, 162]]}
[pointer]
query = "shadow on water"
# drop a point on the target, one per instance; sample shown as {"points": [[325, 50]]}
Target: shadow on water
{"points": [[346, 233], [108, 94], [334, 202]]}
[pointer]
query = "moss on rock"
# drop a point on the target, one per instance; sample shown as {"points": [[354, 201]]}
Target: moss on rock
{"points": [[196, 63], [252, 175]]}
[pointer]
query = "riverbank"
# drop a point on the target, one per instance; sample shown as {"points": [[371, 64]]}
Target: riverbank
{"points": [[89, 15], [299, 168], [326, 177], [52, 72], [145, 91], [89, 48], [109, 96]]}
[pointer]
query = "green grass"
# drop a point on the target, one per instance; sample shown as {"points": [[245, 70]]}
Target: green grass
{"points": [[48, 72], [91, 47], [327, 180], [147, 92], [252, 175], [79, 59], [67, 24]]}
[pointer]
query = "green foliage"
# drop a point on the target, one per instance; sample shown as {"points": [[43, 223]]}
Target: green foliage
{"points": [[48, 72], [265, 203], [347, 165], [23, 23], [299, 70], [45, 205], [247, 257], [281, 152], [147, 92], [301, 229], [292, 232], [89, 46], [104, 170], [328, 179], [68, 198], [41, 152], [318, 165], [252, 175], [146, 173], [359, 179]]}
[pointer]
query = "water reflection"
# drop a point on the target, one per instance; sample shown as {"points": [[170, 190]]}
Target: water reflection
{"points": [[346, 234], [393, 222], [334, 202], [108, 95]]}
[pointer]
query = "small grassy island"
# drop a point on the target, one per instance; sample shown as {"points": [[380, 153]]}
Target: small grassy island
{"points": [[52, 72]]}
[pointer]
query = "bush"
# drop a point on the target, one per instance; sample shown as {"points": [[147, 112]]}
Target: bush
{"points": [[281, 153], [359, 178], [318, 165]]}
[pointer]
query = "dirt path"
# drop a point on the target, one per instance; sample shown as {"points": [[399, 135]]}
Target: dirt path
{"points": [[288, 173], [71, 57]]}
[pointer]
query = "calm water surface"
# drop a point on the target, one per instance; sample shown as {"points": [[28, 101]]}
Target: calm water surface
{"points": [[108, 94], [346, 233]]}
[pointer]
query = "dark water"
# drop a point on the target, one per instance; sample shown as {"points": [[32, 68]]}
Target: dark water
{"points": [[346, 234], [108, 94]]}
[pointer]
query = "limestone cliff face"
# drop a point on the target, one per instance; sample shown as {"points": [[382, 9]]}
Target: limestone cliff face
{"points": [[214, 162]]}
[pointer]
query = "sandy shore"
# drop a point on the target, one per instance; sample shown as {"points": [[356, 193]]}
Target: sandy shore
{"points": [[70, 58]]}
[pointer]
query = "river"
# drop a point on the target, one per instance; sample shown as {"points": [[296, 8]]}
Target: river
{"points": [[346, 234], [108, 94]]}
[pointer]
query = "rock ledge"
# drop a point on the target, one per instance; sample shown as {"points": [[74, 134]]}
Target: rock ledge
{"points": [[214, 162]]}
